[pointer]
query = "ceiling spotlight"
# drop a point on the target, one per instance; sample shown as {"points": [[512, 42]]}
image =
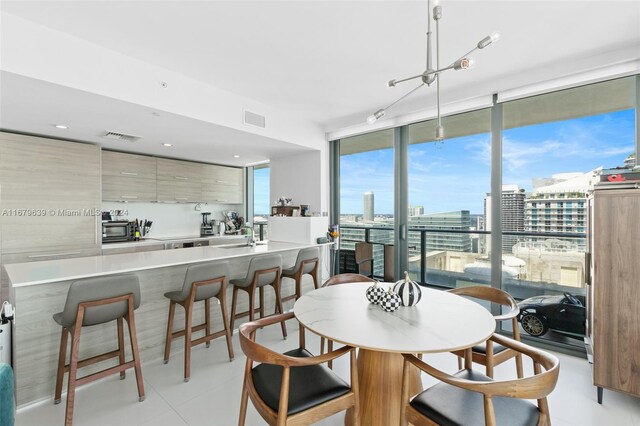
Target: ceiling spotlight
{"points": [[61, 126], [432, 73], [167, 144], [236, 156]]}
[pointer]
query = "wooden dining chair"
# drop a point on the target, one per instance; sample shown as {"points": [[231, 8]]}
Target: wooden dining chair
{"points": [[471, 398], [487, 353], [293, 388], [342, 279], [364, 258]]}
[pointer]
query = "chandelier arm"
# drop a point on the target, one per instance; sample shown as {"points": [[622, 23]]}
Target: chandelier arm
{"points": [[428, 35], [463, 56], [407, 79], [438, 66], [403, 96]]}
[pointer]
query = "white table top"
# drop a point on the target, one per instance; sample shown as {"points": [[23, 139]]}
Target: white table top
{"points": [[440, 322], [33, 273]]}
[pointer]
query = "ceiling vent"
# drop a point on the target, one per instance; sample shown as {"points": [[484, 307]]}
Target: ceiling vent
{"points": [[254, 119], [116, 136]]}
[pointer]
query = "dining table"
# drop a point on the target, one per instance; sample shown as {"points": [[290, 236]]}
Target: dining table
{"points": [[440, 322]]}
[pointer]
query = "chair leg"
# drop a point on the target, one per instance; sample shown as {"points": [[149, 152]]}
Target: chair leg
{"points": [[314, 275], [188, 321], [329, 349], [207, 319], [234, 299], [62, 358], [261, 291], [73, 371], [298, 287], [321, 345], [459, 363], [121, 359], [131, 323], [243, 403], [489, 359], [167, 345], [276, 288], [227, 329], [252, 306], [519, 366]]}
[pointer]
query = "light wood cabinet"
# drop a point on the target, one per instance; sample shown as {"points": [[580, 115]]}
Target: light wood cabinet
{"points": [[613, 319], [128, 177], [178, 181], [222, 184]]}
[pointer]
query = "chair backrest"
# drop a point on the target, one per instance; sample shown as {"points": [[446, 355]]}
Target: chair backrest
{"points": [[364, 257], [309, 253], [260, 263], [538, 386], [347, 278], [100, 288], [491, 294], [204, 272]]}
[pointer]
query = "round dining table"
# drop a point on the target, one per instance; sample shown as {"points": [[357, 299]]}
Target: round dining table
{"points": [[440, 322]]}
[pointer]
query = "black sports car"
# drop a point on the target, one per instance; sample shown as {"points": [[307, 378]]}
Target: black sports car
{"points": [[564, 314]]}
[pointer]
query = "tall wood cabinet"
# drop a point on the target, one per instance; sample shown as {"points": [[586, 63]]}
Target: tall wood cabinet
{"points": [[49, 200], [613, 301]]}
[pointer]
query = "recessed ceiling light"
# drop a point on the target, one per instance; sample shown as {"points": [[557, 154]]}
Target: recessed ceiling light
{"points": [[167, 144], [236, 156], [61, 126]]}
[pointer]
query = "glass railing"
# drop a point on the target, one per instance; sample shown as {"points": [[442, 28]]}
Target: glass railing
{"points": [[261, 231]]}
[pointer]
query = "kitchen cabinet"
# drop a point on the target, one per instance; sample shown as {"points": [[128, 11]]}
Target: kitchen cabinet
{"points": [[134, 249], [224, 185], [50, 199], [178, 181], [128, 177], [613, 293]]}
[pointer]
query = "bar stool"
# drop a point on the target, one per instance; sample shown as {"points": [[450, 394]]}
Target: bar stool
{"points": [[307, 262], [201, 283], [95, 301], [263, 271]]}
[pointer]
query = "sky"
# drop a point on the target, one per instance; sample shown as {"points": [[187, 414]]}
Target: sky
{"points": [[261, 201], [455, 174]]}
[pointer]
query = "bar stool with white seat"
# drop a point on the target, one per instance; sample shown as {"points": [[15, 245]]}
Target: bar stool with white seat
{"points": [[263, 271], [94, 301], [307, 262], [201, 283]]}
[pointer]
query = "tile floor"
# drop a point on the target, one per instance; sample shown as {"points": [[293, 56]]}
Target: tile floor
{"points": [[212, 397]]}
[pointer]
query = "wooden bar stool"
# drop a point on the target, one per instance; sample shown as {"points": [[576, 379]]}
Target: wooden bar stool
{"points": [[263, 271], [95, 301], [307, 262], [201, 283]]}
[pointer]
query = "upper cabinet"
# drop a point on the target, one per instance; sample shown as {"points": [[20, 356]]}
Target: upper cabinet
{"points": [[179, 181], [223, 185], [128, 177]]}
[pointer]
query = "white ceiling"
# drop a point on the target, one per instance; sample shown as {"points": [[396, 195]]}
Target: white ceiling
{"points": [[329, 60]]}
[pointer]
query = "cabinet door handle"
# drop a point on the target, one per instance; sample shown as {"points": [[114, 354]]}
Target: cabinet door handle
{"points": [[129, 173], [181, 198], [132, 197], [222, 181], [37, 256], [222, 200], [181, 177]]}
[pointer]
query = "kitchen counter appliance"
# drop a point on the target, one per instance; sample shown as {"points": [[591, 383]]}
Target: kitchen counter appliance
{"points": [[118, 231], [207, 228]]}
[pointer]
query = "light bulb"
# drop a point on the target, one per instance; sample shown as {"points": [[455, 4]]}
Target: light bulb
{"points": [[391, 83], [495, 36], [488, 40], [463, 64], [375, 116], [439, 133]]}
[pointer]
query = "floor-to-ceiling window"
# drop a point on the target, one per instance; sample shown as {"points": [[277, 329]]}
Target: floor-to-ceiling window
{"points": [[366, 197], [261, 201], [556, 147], [448, 185]]}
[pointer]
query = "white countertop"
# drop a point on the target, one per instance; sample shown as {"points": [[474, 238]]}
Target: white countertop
{"points": [[162, 240], [32, 273], [440, 322]]}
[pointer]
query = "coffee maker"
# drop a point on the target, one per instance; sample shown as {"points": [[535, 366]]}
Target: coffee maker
{"points": [[207, 228]]}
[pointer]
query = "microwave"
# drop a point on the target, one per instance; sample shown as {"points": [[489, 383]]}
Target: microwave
{"points": [[117, 230]]}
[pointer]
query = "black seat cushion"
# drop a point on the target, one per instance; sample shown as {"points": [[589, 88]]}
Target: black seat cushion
{"points": [[482, 348], [449, 405], [308, 386]]}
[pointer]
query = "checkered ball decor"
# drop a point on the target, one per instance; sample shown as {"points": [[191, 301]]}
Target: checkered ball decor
{"points": [[390, 301], [375, 293]]}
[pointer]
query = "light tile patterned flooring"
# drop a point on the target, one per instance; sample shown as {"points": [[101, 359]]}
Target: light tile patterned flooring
{"points": [[212, 397]]}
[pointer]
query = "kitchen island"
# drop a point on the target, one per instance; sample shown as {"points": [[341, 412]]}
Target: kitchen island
{"points": [[39, 289]]}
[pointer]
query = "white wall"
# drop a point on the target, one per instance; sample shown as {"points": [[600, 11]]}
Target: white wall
{"points": [[171, 220], [301, 177]]}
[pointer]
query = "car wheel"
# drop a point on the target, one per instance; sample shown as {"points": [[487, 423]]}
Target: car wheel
{"points": [[533, 324]]}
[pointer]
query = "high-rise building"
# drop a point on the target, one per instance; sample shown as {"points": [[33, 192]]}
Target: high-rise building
{"points": [[457, 220], [416, 211], [512, 202], [368, 206]]}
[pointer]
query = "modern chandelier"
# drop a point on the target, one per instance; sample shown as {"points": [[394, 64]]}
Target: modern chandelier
{"points": [[430, 74]]}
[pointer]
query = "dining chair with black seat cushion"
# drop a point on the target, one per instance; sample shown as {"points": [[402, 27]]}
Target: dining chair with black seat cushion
{"points": [[263, 271], [488, 353], [307, 262], [93, 301], [293, 388], [471, 398], [201, 283]]}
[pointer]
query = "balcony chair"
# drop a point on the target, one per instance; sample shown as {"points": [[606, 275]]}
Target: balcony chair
{"points": [[364, 258], [471, 398], [487, 353], [293, 388]]}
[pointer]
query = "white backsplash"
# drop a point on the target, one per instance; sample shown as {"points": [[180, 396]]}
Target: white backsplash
{"points": [[171, 220]]}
